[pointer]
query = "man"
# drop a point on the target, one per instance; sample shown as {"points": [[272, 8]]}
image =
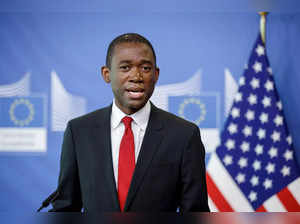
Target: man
{"points": [[150, 160]]}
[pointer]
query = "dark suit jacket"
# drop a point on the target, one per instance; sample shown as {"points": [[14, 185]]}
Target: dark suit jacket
{"points": [[169, 173]]}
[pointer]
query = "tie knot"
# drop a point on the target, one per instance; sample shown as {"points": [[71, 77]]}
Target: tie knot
{"points": [[127, 121]]}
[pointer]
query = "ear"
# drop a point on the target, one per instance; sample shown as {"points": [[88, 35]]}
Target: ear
{"points": [[105, 71], [156, 74]]}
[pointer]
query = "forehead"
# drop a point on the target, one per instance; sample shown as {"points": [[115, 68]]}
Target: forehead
{"points": [[130, 51]]}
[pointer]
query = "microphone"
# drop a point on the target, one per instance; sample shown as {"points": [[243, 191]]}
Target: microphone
{"points": [[49, 200]]}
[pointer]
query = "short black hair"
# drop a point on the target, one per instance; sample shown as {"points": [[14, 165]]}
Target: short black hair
{"points": [[126, 38]]}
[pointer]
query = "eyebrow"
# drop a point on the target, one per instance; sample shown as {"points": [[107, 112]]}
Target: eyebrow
{"points": [[146, 62], [125, 61], [142, 62]]}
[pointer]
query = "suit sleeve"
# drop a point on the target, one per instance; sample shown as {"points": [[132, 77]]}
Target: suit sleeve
{"points": [[193, 177], [69, 198]]}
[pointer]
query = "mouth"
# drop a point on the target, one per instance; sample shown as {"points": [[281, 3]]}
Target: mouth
{"points": [[135, 93]]}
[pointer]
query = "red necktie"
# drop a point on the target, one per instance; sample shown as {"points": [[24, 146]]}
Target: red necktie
{"points": [[126, 162]]}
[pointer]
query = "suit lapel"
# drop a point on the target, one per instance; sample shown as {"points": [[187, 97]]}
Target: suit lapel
{"points": [[151, 142], [104, 151]]}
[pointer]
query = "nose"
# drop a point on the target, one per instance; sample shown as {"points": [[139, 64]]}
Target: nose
{"points": [[136, 76]]}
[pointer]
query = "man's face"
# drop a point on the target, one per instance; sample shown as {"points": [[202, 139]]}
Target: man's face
{"points": [[132, 75]]}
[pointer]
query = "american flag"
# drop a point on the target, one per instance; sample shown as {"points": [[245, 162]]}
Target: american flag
{"points": [[253, 168]]}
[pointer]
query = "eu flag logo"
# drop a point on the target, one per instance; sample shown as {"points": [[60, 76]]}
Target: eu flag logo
{"points": [[201, 110], [23, 124], [22, 112]]}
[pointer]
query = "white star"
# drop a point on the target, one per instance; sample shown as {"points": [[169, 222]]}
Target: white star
{"points": [[232, 128], [264, 117], [261, 133], [288, 155], [245, 146], [259, 149], [275, 136], [252, 99], [235, 112], [254, 180], [250, 115], [266, 101], [269, 85], [238, 97], [289, 139], [252, 196], [267, 183], [230, 144], [256, 165], [243, 162], [260, 50], [270, 168], [254, 83], [227, 160], [270, 70], [273, 152], [285, 171], [279, 105], [257, 67], [240, 178], [247, 131], [242, 81], [278, 120]]}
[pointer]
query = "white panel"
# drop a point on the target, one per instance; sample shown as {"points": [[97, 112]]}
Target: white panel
{"points": [[231, 88], [161, 93], [210, 138], [23, 139], [64, 106]]}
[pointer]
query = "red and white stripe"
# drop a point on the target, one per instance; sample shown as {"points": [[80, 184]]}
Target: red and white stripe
{"points": [[224, 195]]}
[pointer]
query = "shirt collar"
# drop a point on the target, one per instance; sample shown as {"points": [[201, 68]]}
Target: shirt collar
{"points": [[141, 117]]}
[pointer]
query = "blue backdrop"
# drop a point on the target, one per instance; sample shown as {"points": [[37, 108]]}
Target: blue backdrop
{"points": [[50, 60]]}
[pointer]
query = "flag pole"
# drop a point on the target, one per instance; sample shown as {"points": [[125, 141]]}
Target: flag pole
{"points": [[263, 16]]}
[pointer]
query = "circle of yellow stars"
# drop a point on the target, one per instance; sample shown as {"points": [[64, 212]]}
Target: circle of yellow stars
{"points": [[12, 115], [193, 101]]}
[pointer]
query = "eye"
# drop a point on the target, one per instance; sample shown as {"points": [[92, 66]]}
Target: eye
{"points": [[124, 67], [146, 68]]}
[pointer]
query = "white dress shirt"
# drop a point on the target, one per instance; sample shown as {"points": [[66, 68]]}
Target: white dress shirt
{"points": [[138, 126]]}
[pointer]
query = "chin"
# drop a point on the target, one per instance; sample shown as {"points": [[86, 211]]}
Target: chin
{"points": [[137, 105]]}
